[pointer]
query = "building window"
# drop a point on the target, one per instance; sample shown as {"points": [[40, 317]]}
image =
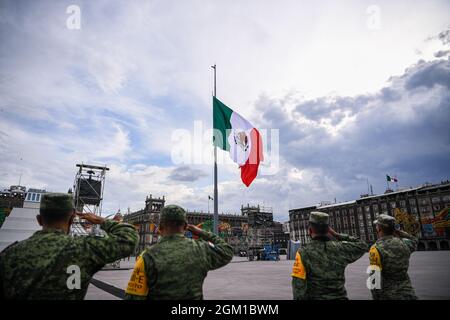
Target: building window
{"points": [[425, 209], [436, 200], [367, 209], [362, 234], [383, 206], [403, 203], [33, 196], [393, 204], [424, 201]]}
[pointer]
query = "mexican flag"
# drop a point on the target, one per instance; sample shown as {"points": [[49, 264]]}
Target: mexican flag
{"points": [[391, 179], [235, 134]]}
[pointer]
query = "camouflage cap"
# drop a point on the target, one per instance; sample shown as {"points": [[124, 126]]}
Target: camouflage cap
{"points": [[56, 201], [385, 220], [173, 213], [318, 217]]}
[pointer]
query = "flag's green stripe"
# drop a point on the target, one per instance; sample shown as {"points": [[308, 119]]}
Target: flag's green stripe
{"points": [[221, 122]]}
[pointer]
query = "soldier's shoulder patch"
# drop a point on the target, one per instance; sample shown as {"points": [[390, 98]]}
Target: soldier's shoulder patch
{"points": [[374, 256], [138, 285], [298, 270]]}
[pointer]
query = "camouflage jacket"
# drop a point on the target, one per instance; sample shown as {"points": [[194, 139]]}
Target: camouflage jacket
{"points": [[391, 255], [175, 267], [37, 268], [319, 267]]}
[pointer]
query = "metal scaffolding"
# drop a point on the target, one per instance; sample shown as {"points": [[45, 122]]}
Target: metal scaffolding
{"points": [[88, 190]]}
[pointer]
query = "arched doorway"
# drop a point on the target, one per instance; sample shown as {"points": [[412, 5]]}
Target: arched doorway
{"points": [[421, 246], [444, 245], [432, 246]]}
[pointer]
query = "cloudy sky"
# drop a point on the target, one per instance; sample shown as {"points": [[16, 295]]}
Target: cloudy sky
{"points": [[356, 91]]}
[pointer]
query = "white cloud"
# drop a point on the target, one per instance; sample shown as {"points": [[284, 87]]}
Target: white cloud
{"points": [[117, 147], [115, 90]]}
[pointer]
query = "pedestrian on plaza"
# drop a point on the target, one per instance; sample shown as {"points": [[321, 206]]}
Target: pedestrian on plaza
{"points": [[175, 267], [52, 264], [319, 267], [390, 256]]}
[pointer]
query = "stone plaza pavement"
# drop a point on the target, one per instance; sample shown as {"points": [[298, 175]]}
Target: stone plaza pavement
{"points": [[270, 280]]}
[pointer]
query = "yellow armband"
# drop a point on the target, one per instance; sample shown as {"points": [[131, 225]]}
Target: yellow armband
{"points": [[374, 257], [299, 269], [138, 282]]}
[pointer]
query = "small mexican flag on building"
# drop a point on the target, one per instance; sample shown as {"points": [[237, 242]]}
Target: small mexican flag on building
{"points": [[235, 134], [391, 179]]}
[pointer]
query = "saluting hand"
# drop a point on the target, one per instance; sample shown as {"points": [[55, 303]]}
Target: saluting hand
{"points": [[333, 233], [118, 217], [92, 218], [194, 229]]}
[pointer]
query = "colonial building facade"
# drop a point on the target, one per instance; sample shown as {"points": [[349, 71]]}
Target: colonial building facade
{"points": [[146, 220], [233, 220], [236, 229], [423, 211]]}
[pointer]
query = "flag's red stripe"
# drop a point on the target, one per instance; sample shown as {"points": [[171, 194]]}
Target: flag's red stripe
{"points": [[249, 170]]}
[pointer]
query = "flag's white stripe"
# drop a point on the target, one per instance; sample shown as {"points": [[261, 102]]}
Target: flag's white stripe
{"points": [[239, 124]]}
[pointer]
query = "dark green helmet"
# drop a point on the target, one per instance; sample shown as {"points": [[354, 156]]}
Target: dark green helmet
{"points": [[173, 213], [319, 218], [57, 202], [386, 221]]}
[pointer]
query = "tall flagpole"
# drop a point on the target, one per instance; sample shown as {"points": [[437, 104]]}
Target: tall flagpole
{"points": [[216, 196]]}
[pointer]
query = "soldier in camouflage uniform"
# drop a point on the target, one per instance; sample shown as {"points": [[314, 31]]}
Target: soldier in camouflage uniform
{"points": [[40, 266], [176, 266], [390, 255], [319, 267]]}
